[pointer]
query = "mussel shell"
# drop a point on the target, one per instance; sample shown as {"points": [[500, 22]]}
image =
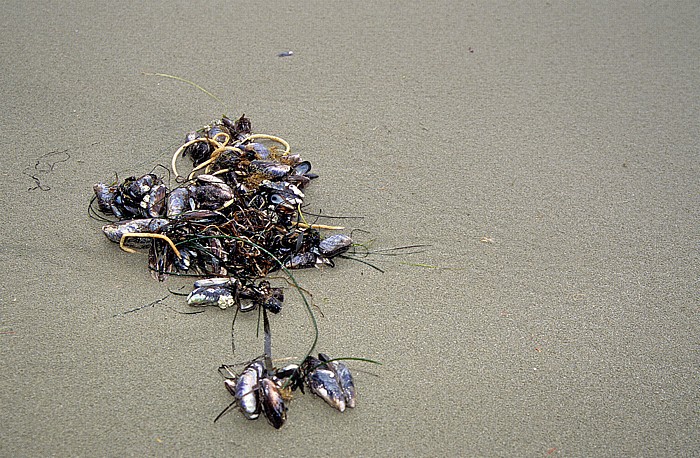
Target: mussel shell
{"points": [[185, 259], [344, 377], [230, 282], [155, 225], [105, 196], [287, 371], [260, 151], [246, 306], [200, 151], [302, 260], [206, 178], [272, 304], [230, 386], [300, 181], [222, 296], [115, 231], [287, 202], [201, 216], [156, 200], [282, 187], [216, 130], [247, 392], [177, 201], [323, 383], [270, 168], [240, 128], [302, 168], [212, 196], [334, 245], [272, 403], [139, 187]]}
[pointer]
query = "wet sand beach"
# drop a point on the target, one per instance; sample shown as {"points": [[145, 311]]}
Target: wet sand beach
{"points": [[547, 153]]}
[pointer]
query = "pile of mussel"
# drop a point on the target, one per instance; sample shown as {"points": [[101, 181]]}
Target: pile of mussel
{"points": [[235, 218], [258, 389]]}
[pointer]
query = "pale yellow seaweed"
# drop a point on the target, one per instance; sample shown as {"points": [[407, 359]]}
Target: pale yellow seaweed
{"points": [[150, 236]]}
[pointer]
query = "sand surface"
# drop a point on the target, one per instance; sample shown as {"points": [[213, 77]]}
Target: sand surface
{"points": [[547, 153]]}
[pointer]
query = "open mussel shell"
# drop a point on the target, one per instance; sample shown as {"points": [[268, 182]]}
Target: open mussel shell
{"points": [[302, 168]]}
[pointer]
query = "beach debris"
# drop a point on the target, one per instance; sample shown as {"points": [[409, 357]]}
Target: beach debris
{"points": [[43, 166], [286, 54], [258, 389], [233, 219], [227, 292], [330, 380], [237, 214]]}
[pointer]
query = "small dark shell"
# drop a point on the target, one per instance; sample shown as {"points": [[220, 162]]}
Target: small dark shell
{"points": [[185, 259], [301, 261], [177, 201], [287, 371], [105, 196], [272, 403], [272, 304], [334, 245], [300, 181], [137, 188], [156, 200], [199, 152], [272, 169], [258, 150], [240, 128]]}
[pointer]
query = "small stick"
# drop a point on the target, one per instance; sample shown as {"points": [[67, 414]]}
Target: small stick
{"points": [[318, 226]]}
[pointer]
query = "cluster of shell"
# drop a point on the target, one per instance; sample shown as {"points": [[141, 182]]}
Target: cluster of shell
{"points": [[234, 219], [259, 390]]}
